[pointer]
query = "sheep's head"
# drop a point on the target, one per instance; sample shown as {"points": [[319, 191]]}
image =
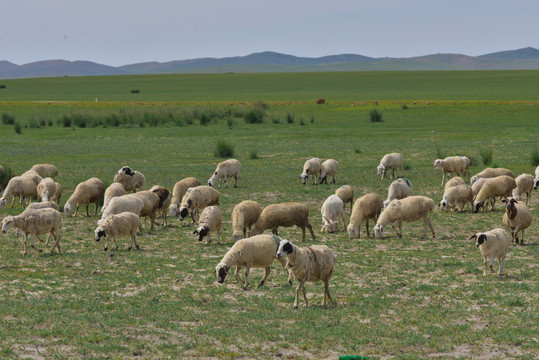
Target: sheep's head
{"points": [[285, 248], [386, 203], [304, 178], [183, 213], [535, 184], [99, 233], [473, 179], [353, 231], [378, 231], [479, 239], [7, 223], [221, 270], [510, 207], [128, 171], [438, 164], [237, 235], [213, 179], [3, 202], [329, 226], [68, 209], [173, 210], [381, 168], [477, 205], [443, 204], [201, 232]]}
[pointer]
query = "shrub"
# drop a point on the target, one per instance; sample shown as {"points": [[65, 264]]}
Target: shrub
{"points": [[375, 116], [276, 120], [473, 161], [223, 149], [301, 122], [230, 122], [290, 118], [8, 119], [2, 86], [5, 177], [404, 107], [256, 115], [440, 154], [357, 150], [486, 156], [253, 154], [407, 165], [312, 119], [204, 119], [18, 128], [66, 121], [135, 91], [535, 157]]}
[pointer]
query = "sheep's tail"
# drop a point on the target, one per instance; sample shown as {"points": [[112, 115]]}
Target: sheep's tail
{"points": [[238, 221]]}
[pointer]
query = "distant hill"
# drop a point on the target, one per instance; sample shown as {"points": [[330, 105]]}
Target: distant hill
{"points": [[526, 58]]}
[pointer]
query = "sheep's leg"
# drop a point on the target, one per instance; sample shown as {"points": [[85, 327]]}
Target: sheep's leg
{"points": [[236, 178], [298, 289], [87, 206], [310, 230], [32, 240], [327, 295], [343, 221], [134, 242], [284, 263], [366, 225], [304, 294], [265, 277], [226, 185], [76, 210], [274, 231], [501, 262], [395, 229], [443, 178], [114, 239], [431, 228], [106, 243], [491, 264], [56, 235], [237, 274], [12, 202], [25, 243], [485, 264], [152, 220], [219, 237], [303, 233], [96, 206], [246, 284]]}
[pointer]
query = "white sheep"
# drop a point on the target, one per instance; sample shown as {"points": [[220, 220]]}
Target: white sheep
{"points": [[227, 168], [151, 202], [165, 198], [477, 185], [21, 186], [35, 222], [328, 168], [57, 193], [408, 209], [86, 192], [391, 162], [122, 224], [467, 163], [524, 186], [130, 179], [491, 173], [312, 167], [211, 220], [244, 215], [36, 178], [517, 217], [179, 191], [499, 186], [346, 193], [197, 198], [367, 207], [492, 244], [42, 205], [536, 180], [399, 189], [331, 210], [460, 194], [313, 263], [254, 252], [284, 214], [451, 165], [45, 170], [125, 203], [457, 180], [46, 189], [114, 190]]}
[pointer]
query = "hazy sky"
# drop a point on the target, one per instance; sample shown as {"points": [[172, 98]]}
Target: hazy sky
{"points": [[120, 32]]}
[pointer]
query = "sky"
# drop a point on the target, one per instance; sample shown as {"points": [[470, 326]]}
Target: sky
{"points": [[121, 32]]}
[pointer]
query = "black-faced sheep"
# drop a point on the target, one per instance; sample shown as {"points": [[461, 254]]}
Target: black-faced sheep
{"points": [[312, 167], [244, 215], [179, 190], [492, 244], [499, 186], [227, 168], [122, 224], [367, 207], [130, 179], [517, 217], [408, 209], [211, 220], [87, 192], [197, 198], [328, 168], [284, 214]]}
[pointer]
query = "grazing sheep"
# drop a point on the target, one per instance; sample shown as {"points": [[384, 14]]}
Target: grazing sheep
{"points": [[210, 220], [498, 186], [366, 208], [457, 194], [122, 224], [346, 193], [332, 208], [86, 192], [57, 193], [244, 215], [467, 163], [43, 205], [328, 168], [21, 186], [254, 252], [179, 191], [391, 162], [114, 190], [197, 198], [130, 179], [493, 244], [399, 189], [490, 173], [35, 222], [408, 209], [284, 214], [536, 181], [151, 202], [45, 170], [36, 178], [477, 185], [230, 167], [311, 167], [517, 218], [451, 165], [165, 198], [524, 186], [125, 203], [313, 263], [457, 180], [46, 189]]}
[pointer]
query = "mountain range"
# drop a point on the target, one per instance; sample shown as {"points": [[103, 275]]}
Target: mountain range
{"points": [[521, 59]]}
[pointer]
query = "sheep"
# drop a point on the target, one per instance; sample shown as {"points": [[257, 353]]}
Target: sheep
{"points": [[517, 217], [244, 215], [122, 224], [57, 193], [284, 214], [493, 244], [536, 181], [366, 208], [130, 179], [328, 168], [498, 186], [346, 193], [125, 203], [451, 165], [114, 190], [197, 198], [36, 178], [332, 208], [21, 186], [254, 252], [35, 222], [391, 162], [457, 180], [151, 202], [211, 220], [45, 170], [46, 189], [43, 205], [311, 167], [230, 167], [490, 173], [399, 189], [313, 263], [477, 185], [408, 209], [524, 186], [457, 194], [86, 192], [179, 191], [165, 197]]}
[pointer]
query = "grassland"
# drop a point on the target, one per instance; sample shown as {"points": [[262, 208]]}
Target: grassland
{"points": [[395, 298]]}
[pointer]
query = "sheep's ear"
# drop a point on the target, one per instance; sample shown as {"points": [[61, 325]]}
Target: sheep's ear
{"points": [[472, 237], [195, 232]]}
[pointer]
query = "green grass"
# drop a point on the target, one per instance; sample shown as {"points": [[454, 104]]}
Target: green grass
{"points": [[402, 298]]}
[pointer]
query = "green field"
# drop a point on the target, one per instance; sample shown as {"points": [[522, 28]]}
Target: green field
{"points": [[394, 298]]}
